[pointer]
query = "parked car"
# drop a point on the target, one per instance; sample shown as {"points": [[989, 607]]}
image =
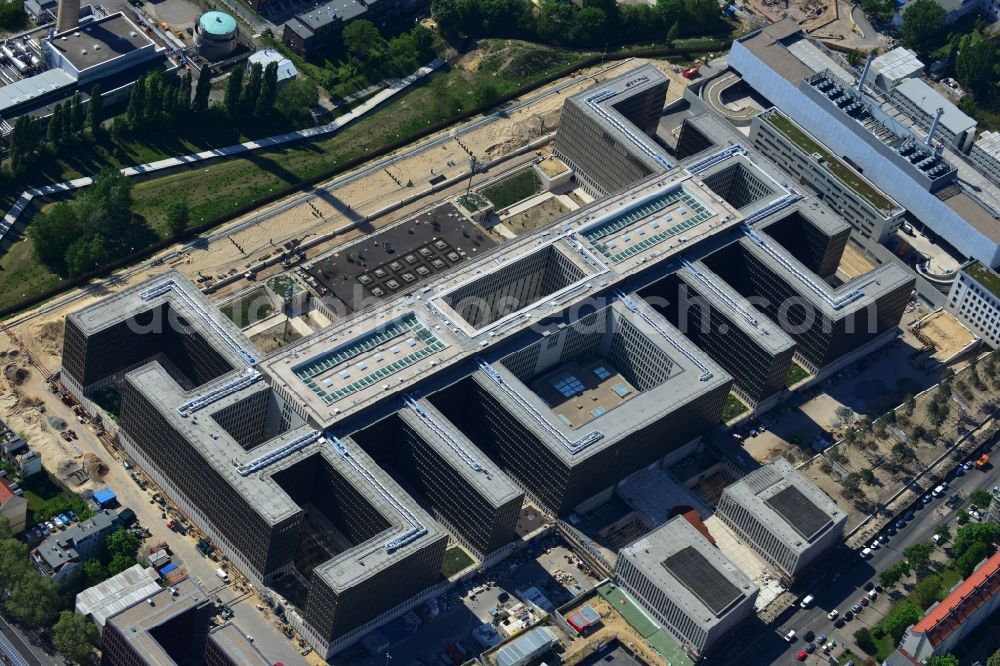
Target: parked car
{"points": [[58, 523], [866, 553], [810, 648], [820, 639], [841, 621], [869, 586], [63, 517], [44, 529], [875, 545], [926, 499], [51, 526], [802, 656], [856, 608], [73, 516], [937, 492], [849, 615], [790, 636], [808, 636], [832, 615], [864, 600], [908, 515]]}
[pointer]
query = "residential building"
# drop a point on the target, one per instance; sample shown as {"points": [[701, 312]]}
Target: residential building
{"points": [[686, 584], [975, 299], [62, 554], [13, 506], [782, 516], [947, 622]]}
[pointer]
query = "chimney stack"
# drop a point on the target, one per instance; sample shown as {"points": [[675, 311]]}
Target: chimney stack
{"points": [[864, 74], [937, 117], [67, 15]]}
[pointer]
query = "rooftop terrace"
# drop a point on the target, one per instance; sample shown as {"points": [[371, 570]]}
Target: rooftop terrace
{"points": [[986, 277]]}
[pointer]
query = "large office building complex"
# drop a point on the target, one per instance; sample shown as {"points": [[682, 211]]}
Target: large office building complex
{"points": [[606, 132], [686, 584], [782, 516], [334, 471], [975, 299], [822, 94]]}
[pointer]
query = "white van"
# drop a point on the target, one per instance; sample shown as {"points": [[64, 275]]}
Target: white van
{"points": [[937, 492], [223, 576], [807, 601], [790, 636]]}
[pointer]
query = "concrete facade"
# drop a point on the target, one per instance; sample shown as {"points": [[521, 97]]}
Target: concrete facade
{"points": [[974, 298]]}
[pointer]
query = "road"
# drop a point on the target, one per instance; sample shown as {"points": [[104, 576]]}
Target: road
{"points": [[842, 591]]}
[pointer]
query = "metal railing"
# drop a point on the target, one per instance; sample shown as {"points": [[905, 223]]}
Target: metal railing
{"points": [[443, 433], [248, 377], [714, 288], [279, 453]]}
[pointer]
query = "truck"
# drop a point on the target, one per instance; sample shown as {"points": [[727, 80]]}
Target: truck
{"points": [[690, 72], [223, 576], [983, 461], [807, 601]]}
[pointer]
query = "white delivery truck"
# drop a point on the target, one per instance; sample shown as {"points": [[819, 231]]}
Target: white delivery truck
{"points": [[223, 576]]}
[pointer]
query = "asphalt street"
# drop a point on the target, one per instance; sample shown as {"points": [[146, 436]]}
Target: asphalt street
{"points": [[845, 585]]}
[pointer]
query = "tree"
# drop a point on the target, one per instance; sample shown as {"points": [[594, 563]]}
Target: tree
{"points": [[943, 532], [968, 561], [54, 132], [268, 91], [981, 498], [968, 535], [136, 109], [363, 40], [95, 109], [178, 217], [93, 572], [202, 90], [923, 25], [962, 517], [296, 99], [852, 481], [892, 575], [23, 144], [879, 10], [927, 591], [864, 640], [76, 113], [919, 554], [673, 33], [74, 636], [486, 93], [231, 99], [947, 659], [86, 254], [994, 659], [900, 618], [52, 233], [66, 124], [590, 26], [251, 91], [33, 599], [868, 476], [121, 542]]}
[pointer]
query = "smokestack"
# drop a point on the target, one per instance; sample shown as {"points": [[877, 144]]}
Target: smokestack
{"points": [[68, 15], [864, 73], [937, 117]]}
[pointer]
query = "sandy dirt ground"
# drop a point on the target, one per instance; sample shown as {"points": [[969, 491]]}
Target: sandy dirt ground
{"points": [[810, 13], [948, 335], [612, 626]]}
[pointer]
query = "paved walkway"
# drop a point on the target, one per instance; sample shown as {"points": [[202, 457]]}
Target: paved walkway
{"points": [[391, 89]]}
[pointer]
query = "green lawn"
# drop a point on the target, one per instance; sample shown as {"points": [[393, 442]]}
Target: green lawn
{"points": [[734, 407], [985, 277], [109, 399], [796, 374], [840, 170], [455, 560], [46, 498], [241, 314], [511, 190]]}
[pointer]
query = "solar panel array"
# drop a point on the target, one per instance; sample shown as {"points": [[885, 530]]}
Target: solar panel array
{"points": [[696, 573], [798, 511]]}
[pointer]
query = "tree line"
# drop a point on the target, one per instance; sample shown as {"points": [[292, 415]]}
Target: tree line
{"points": [[592, 23]]}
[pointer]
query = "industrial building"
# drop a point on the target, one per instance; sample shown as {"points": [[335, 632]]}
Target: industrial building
{"points": [[92, 48], [606, 132], [286, 68], [685, 584], [321, 24], [872, 214], [216, 35], [927, 106], [895, 66], [985, 154], [975, 299], [334, 471], [782, 516], [819, 92], [121, 591]]}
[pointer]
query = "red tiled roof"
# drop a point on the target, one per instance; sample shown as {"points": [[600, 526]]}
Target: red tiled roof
{"points": [[962, 603], [5, 492]]}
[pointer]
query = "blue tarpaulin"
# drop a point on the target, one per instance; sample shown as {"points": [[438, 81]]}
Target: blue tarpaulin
{"points": [[104, 496], [167, 568]]}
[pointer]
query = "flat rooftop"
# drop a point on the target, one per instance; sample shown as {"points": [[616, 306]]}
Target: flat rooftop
{"points": [[690, 571], [977, 213], [770, 45], [97, 42], [929, 101], [784, 500], [233, 642], [137, 623], [986, 277], [834, 165]]}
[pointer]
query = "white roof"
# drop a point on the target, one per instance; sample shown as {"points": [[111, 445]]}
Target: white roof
{"points": [[286, 68], [899, 63], [107, 599], [27, 89], [930, 100], [989, 142]]}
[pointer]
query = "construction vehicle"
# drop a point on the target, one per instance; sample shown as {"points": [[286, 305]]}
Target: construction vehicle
{"points": [[983, 461]]}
